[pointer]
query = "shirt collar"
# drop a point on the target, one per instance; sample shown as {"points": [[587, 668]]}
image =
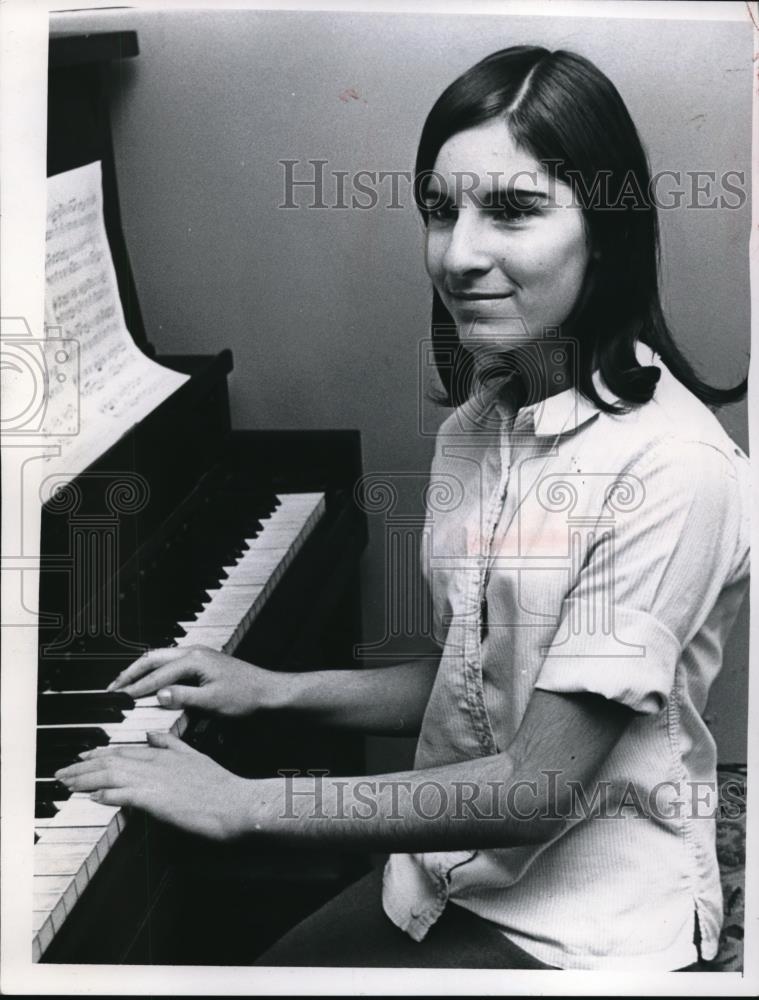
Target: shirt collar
{"points": [[566, 411]]}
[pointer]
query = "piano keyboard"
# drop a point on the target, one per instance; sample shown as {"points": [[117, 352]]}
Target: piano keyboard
{"points": [[73, 834]]}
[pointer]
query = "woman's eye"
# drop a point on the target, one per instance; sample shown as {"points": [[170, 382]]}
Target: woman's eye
{"points": [[441, 213], [512, 210]]}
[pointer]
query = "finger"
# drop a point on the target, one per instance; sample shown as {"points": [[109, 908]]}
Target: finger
{"points": [[162, 677], [183, 696], [102, 777], [168, 741], [102, 756], [144, 664], [63, 773], [136, 751], [125, 796]]}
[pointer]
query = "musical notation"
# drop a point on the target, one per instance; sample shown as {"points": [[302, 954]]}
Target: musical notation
{"points": [[98, 382]]}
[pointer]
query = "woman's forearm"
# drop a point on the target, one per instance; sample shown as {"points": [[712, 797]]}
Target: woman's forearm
{"points": [[517, 797], [469, 805], [383, 701], [522, 796]]}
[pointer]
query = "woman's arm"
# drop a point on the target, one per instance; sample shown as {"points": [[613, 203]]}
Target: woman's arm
{"points": [[385, 700], [515, 798]]}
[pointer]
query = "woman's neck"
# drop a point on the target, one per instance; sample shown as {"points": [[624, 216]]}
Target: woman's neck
{"points": [[529, 373]]}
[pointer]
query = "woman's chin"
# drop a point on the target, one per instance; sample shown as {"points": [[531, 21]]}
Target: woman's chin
{"points": [[498, 332]]}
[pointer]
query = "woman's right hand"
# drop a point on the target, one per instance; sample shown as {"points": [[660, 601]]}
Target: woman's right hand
{"points": [[199, 677]]}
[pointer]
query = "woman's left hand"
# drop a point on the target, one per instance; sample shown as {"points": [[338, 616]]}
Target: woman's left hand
{"points": [[167, 779]]}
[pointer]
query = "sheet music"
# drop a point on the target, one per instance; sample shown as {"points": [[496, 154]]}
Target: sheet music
{"points": [[99, 383]]}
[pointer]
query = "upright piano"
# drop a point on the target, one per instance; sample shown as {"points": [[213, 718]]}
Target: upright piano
{"points": [[184, 532]]}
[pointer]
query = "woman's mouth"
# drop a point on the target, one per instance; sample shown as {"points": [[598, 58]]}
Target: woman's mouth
{"points": [[476, 296]]}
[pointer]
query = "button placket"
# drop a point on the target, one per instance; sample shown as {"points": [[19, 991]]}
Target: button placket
{"points": [[475, 601]]}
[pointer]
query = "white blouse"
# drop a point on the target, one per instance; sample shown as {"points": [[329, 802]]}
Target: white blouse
{"points": [[577, 551]]}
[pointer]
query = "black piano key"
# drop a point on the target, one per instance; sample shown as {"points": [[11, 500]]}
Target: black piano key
{"points": [[89, 707], [256, 500], [71, 738], [193, 606], [251, 528], [80, 674], [48, 763], [157, 636], [50, 791], [44, 810]]}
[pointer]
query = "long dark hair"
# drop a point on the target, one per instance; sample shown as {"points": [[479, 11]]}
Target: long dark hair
{"points": [[562, 110]]}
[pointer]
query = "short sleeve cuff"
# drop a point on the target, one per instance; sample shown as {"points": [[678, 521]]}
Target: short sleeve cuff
{"points": [[623, 654]]}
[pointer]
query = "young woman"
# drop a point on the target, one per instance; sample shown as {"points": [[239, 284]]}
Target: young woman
{"points": [[586, 568]]}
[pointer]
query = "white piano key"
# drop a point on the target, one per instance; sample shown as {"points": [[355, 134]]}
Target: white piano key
{"points": [[58, 915], [42, 901], [229, 606], [61, 859], [262, 568], [204, 635], [63, 886], [71, 859], [276, 538], [43, 927], [79, 810], [148, 718], [69, 835], [54, 893], [53, 900], [55, 862], [55, 911], [296, 499], [54, 897], [57, 884]]}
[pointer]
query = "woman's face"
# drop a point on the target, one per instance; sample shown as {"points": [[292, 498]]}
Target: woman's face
{"points": [[506, 247]]}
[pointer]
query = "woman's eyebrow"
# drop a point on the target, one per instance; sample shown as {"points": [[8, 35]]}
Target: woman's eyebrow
{"points": [[508, 192], [486, 195]]}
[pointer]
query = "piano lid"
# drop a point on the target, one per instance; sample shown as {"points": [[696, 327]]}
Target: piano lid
{"points": [[79, 132]]}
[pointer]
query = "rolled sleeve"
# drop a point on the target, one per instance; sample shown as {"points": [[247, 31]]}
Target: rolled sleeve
{"points": [[649, 579], [640, 677]]}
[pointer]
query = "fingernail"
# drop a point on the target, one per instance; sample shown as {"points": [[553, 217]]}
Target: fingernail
{"points": [[96, 796], [164, 697]]}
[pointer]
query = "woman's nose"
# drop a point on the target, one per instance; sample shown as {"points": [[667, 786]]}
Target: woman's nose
{"points": [[466, 249]]}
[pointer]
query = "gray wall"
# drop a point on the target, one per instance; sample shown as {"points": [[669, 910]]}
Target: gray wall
{"points": [[325, 309]]}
